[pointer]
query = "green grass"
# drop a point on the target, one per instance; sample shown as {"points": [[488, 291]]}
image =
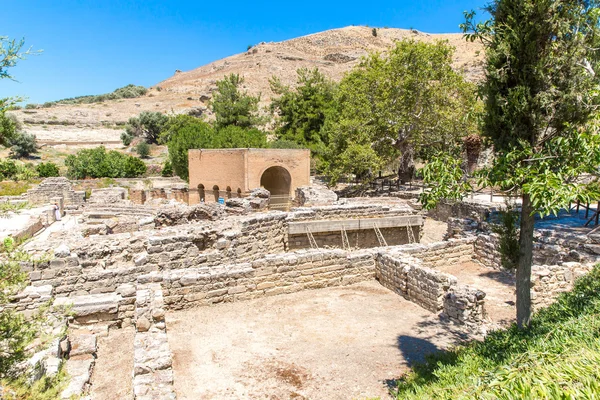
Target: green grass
{"points": [[558, 357], [44, 389], [6, 207], [13, 188]]}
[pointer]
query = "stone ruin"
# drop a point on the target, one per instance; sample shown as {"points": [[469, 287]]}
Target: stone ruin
{"points": [[129, 264]]}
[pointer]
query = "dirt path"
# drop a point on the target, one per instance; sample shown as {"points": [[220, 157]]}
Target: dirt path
{"points": [[336, 343], [433, 231], [113, 371], [499, 288]]}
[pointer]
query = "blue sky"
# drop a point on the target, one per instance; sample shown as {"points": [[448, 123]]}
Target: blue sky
{"points": [[93, 47]]}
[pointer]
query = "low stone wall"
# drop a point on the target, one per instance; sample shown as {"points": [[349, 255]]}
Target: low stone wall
{"points": [[549, 281], [475, 210], [271, 275], [433, 290], [152, 363], [349, 211], [450, 252], [485, 250]]}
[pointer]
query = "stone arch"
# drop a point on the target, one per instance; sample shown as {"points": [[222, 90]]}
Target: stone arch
{"points": [[216, 192], [201, 193], [278, 181]]}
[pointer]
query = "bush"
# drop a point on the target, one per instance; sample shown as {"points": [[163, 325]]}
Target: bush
{"points": [[23, 145], [98, 163], [142, 149], [47, 170], [153, 170], [126, 138], [374, 31], [126, 92], [8, 169], [167, 169]]}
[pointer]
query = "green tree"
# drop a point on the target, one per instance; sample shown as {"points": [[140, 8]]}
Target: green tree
{"points": [[231, 137], [9, 128], [148, 125], [195, 134], [98, 163], [301, 112], [23, 145], [541, 102], [231, 106], [409, 103]]}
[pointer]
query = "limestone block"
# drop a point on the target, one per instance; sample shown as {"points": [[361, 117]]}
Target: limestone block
{"points": [[82, 344]]}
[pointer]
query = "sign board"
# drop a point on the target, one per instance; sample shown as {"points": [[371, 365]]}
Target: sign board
{"points": [[221, 200]]}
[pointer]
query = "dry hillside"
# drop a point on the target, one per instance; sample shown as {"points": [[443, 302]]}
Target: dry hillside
{"points": [[334, 52]]}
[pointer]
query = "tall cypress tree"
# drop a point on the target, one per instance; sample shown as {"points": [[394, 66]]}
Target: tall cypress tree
{"points": [[541, 95]]}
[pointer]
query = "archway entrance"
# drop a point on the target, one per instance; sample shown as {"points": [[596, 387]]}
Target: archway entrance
{"points": [[278, 181]]}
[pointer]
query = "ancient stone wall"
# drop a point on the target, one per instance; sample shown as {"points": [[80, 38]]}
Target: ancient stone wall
{"points": [[479, 211], [365, 238], [549, 281], [55, 187], [450, 252], [349, 211], [271, 275]]}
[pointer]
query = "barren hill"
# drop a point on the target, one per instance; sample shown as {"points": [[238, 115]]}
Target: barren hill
{"points": [[334, 52]]}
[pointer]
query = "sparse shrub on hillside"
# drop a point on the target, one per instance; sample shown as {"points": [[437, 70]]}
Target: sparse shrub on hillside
{"points": [[31, 106], [9, 128], [23, 145], [374, 31], [249, 47], [153, 170], [47, 169], [142, 149], [98, 163], [126, 92]]}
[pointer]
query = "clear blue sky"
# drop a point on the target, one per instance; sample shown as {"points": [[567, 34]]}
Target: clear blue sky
{"points": [[93, 47]]}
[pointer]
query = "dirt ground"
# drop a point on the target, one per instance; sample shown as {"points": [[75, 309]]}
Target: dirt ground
{"points": [[111, 379], [499, 288], [336, 343], [433, 231]]}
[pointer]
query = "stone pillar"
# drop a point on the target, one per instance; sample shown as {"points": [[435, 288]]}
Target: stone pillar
{"points": [[137, 196], [180, 194]]}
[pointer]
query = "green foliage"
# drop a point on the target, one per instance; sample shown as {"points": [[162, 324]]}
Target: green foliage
{"points": [[6, 207], [98, 163], [126, 138], [231, 106], [195, 134], [148, 125], [126, 92], [556, 358], [285, 144], [23, 145], [8, 169], [9, 128], [10, 54], [44, 389], [187, 132], [302, 112], [444, 178], [142, 149], [406, 104], [167, 170], [374, 32], [47, 169], [232, 137], [508, 231]]}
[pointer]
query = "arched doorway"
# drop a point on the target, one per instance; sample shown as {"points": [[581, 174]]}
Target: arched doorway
{"points": [[278, 181]]}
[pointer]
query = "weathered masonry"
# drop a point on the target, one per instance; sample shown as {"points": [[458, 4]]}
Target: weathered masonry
{"points": [[227, 173]]}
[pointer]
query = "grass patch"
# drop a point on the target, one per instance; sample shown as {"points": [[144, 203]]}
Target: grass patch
{"points": [[556, 358], [43, 389], [13, 188], [6, 207]]}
